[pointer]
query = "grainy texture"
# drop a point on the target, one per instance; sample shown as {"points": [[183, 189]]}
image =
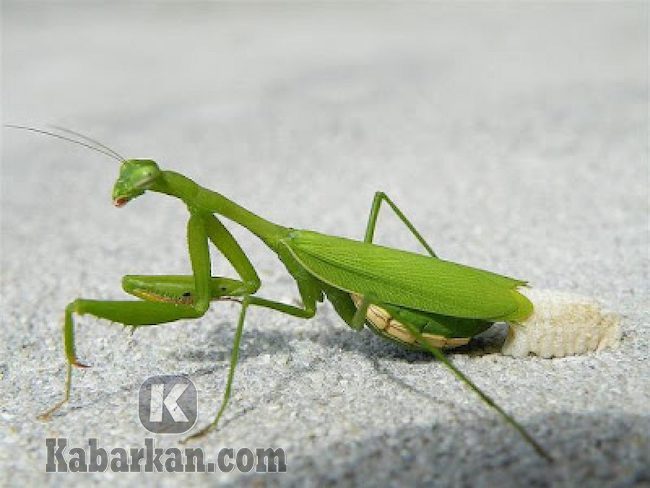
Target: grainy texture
{"points": [[514, 136]]}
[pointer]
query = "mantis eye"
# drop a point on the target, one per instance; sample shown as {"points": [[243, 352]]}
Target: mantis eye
{"points": [[146, 180]]}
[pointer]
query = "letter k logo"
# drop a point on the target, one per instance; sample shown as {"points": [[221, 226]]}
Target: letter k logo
{"points": [[168, 404]]}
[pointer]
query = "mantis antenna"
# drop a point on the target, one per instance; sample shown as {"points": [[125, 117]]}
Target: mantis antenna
{"points": [[101, 149], [89, 139]]}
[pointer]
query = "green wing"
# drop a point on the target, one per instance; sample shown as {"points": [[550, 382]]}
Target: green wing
{"points": [[408, 279]]}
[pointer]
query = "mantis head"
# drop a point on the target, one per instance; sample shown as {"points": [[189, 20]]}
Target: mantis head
{"points": [[136, 176]]}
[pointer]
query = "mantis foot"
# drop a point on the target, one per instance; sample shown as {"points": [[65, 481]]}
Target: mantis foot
{"points": [[198, 434], [47, 415]]}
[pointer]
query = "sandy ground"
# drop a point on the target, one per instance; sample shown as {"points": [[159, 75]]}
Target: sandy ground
{"points": [[514, 136]]}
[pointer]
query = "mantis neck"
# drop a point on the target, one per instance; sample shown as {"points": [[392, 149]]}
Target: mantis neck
{"points": [[201, 199]]}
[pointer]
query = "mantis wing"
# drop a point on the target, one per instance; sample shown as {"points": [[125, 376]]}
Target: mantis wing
{"points": [[408, 279]]}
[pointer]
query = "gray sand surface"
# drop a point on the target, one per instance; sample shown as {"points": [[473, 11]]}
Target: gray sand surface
{"points": [[514, 136]]}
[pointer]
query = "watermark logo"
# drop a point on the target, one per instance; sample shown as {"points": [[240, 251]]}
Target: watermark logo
{"points": [[167, 404], [94, 458]]}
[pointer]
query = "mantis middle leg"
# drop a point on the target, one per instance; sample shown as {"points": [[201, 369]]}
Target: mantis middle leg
{"points": [[309, 310], [163, 307]]}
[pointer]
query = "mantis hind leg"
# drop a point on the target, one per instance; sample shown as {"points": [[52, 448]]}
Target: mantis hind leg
{"points": [[440, 356], [374, 213], [355, 316], [424, 342]]}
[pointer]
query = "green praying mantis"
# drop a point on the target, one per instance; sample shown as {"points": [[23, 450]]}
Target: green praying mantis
{"points": [[419, 301]]}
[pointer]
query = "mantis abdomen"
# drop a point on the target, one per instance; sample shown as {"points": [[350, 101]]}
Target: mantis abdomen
{"points": [[438, 331]]}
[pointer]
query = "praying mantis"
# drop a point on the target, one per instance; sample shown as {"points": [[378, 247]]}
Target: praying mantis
{"points": [[419, 301]]}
